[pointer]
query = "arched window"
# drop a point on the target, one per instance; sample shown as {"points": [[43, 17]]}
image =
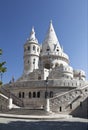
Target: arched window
{"points": [[60, 108], [22, 94], [19, 94], [38, 94], [34, 48], [28, 48], [34, 94], [29, 94]]}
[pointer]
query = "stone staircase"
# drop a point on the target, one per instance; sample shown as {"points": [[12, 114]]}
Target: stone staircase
{"points": [[69, 101], [15, 99], [4, 102]]}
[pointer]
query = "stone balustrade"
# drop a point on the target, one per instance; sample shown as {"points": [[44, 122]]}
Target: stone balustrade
{"points": [[65, 101]]}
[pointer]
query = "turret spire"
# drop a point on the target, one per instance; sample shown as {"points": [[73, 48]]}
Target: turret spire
{"points": [[51, 40], [32, 36]]}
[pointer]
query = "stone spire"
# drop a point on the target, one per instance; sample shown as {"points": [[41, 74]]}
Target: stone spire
{"points": [[32, 36], [51, 41]]}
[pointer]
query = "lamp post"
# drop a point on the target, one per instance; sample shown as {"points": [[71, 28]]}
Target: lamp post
{"points": [[47, 108]]}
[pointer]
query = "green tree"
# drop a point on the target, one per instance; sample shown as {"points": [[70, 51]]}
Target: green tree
{"points": [[2, 68]]}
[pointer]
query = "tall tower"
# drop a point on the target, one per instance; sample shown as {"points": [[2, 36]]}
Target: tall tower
{"points": [[52, 53], [31, 53]]}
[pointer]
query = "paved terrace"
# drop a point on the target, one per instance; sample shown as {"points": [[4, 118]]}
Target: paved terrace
{"points": [[55, 124]]}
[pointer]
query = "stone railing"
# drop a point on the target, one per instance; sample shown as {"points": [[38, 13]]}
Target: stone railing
{"points": [[16, 100], [65, 101]]}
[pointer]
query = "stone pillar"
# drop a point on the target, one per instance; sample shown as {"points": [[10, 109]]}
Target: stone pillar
{"points": [[47, 107], [10, 103]]}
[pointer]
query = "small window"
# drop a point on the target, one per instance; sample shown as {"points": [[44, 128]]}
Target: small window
{"points": [[29, 94], [38, 94], [34, 94], [34, 48], [19, 94], [70, 106], [28, 48], [22, 94], [60, 108]]}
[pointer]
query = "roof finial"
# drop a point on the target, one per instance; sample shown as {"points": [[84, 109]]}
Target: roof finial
{"points": [[33, 31], [32, 35], [51, 21]]}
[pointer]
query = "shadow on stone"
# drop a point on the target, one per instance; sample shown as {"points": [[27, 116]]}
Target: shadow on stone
{"points": [[44, 125], [82, 110]]}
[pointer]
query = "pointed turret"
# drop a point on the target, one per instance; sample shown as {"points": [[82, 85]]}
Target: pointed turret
{"points": [[32, 36], [31, 53], [51, 42]]}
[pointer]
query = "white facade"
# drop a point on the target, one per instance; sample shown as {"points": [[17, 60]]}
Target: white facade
{"points": [[47, 60]]}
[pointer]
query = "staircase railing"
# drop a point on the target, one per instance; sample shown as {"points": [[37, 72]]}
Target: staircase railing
{"points": [[16, 100], [68, 97]]}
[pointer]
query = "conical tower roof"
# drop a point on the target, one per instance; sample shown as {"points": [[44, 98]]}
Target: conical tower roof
{"points": [[32, 36], [51, 42]]}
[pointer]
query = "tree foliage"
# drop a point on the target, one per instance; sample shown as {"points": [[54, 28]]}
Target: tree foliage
{"points": [[2, 67]]}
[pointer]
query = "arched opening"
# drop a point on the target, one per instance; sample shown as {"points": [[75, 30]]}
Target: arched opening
{"points": [[60, 108], [34, 94], [19, 94], [22, 94], [38, 94]]}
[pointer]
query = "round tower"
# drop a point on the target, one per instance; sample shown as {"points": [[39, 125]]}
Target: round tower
{"points": [[52, 53], [31, 53]]}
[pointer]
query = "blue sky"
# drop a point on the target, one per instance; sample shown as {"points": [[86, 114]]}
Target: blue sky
{"points": [[69, 20]]}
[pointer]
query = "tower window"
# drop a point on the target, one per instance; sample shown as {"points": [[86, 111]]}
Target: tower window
{"points": [[28, 48], [34, 94], [34, 48]]}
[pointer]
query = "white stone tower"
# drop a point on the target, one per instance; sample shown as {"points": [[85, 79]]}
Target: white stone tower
{"points": [[52, 53], [31, 53]]}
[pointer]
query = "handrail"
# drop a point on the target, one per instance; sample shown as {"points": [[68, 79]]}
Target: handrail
{"points": [[63, 94]]}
